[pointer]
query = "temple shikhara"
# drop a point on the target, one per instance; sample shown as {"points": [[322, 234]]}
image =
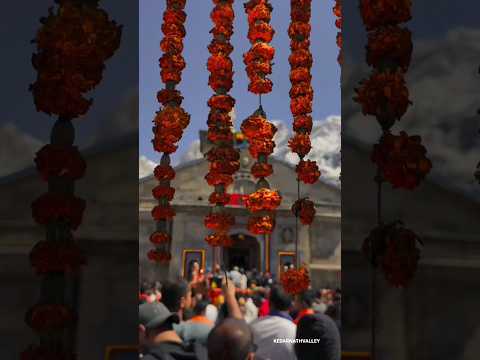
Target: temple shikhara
{"points": [[319, 243]]}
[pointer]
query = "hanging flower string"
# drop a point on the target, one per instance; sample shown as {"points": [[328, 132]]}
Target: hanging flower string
{"points": [[337, 10], [400, 159], [257, 130], [169, 124], [72, 46], [223, 157]]}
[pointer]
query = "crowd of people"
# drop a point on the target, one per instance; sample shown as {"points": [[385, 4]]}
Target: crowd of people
{"points": [[239, 315]]}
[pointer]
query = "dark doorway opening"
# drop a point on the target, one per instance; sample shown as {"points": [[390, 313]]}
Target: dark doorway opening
{"points": [[245, 253]]}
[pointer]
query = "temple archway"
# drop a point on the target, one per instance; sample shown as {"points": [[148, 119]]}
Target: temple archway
{"points": [[245, 252]]}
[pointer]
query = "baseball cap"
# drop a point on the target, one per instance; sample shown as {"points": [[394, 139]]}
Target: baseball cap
{"points": [[152, 315]]}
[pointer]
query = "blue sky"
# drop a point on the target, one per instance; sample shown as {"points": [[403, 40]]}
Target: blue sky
{"points": [[194, 86]]}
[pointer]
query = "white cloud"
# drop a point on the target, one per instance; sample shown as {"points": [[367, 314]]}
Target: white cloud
{"points": [[193, 152], [145, 166]]}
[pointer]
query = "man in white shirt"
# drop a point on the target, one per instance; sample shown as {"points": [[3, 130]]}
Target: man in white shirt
{"points": [[277, 325], [235, 276]]}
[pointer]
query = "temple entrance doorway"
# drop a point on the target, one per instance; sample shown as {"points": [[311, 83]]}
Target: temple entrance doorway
{"points": [[245, 253]]}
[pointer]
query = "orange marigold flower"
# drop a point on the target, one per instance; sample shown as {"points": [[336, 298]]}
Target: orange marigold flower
{"points": [[49, 317], [261, 225], [221, 82], [223, 154], [172, 62], [401, 160], [225, 167], [303, 123], [307, 171], [392, 44], [299, 30], [250, 5], [166, 96], [257, 127], [173, 30], [384, 95], [300, 75], [260, 86], [263, 200], [394, 248], [47, 257], [176, 4], [300, 14], [305, 210], [261, 147], [299, 45], [222, 31], [171, 44], [159, 256], [163, 192], [158, 238], [300, 144], [172, 76], [376, 13], [216, 135], [219, 198], [214, 179], [165, 144], [222, 102], [259, 51], [261, 170], [220, 48], [301, 89], [258, 68], [172, 117], [301, 105], [218, 63], [219, 221], [301, 58], [164, 172], [175, 16], [261, 32], [219, 239], [51, 207], [161, 212], [295, 281], [261, 12], [222, 14]]}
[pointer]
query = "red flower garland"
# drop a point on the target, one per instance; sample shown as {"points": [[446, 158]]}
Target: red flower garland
{"points": [[169, 123], [337, 10], [305, 210], [58, 207], [295, 281], [393, 247], [400, 159], [258, 58], [223, 157], [49, 318], [74, 32], [48, 257], [60, 161]]}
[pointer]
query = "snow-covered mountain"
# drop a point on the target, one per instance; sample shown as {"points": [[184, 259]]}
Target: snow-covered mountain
{"points": [[325, 149]]}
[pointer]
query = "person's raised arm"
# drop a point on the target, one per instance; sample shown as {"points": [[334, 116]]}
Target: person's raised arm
{"points": [[232, 305]]}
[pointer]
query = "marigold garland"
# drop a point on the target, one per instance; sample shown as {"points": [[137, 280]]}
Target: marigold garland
{"points": [[47, 257], [223, 157], [53, 207], [394, 248], [60, 161], [169, 124], [48, 318], [307, 171], [304, 209], [400, 159], [337, 11], [295, 281], [261, 225]]}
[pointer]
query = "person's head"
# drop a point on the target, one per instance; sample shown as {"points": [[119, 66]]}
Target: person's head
{"points": [[305, 300], [285, 267], [235, 268], [317, 327], [279, 299], [200, 308], [154, 319], [232, 339], [173, 295], [217, 268], [195, 265]]}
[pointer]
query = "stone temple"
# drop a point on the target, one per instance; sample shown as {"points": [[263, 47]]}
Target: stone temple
{"points": [[319, 244]]}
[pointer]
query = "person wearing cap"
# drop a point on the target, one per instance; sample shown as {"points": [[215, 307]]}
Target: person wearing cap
{"points": [[158, 339]]}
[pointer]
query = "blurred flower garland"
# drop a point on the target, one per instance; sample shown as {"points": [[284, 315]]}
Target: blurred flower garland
{"points": [[400, 159], [297, 280], [169, 123], [337, 10], [223, 157], [258, 131], [72, 45]]}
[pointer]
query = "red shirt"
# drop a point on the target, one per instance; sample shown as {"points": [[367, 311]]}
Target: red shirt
{"points": [[303, 313], [264, 309]]}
